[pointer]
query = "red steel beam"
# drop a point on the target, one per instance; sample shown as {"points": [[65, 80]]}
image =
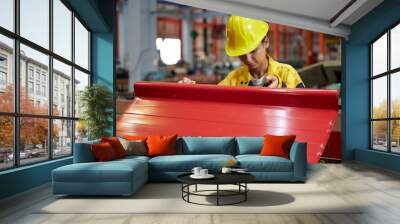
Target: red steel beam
{"points": [[210, 110]]}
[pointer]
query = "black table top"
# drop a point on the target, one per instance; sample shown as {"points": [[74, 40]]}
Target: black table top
{"points": [[220, 178]]}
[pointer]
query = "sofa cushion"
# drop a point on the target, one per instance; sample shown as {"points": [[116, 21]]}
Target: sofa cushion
{"points": [[249, 145], [134, 147], [103, 151], [208, 145], [257, 163], [112, 171], [116, 145], [161, 145], [132, 158], [185, 163], [277, 145]]}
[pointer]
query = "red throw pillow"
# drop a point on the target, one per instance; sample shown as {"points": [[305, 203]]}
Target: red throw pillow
{"points": [[116, 145], [161, 145], [103, 152], [277, 145]]}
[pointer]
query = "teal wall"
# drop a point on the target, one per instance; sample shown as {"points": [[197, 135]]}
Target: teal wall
{"points": [[103, 54], [356, 101], [24, 178], [99, 15], [380, 159]]}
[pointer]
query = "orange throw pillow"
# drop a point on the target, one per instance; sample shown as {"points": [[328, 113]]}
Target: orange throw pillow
{"points": [[116, 145], [103, 152], [161, 145], [277, 145]]}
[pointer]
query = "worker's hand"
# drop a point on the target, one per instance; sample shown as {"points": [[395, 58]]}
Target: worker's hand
{"points": [[272, 81], [187, 81]]}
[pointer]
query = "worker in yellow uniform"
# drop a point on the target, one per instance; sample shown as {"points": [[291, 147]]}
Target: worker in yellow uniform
{"points": [[247, 39]]}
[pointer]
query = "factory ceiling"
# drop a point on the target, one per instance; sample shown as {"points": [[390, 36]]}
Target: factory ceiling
{"points": [[333, 17]]}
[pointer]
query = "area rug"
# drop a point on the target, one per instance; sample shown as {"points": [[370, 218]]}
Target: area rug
{"points": [[166, 198]]}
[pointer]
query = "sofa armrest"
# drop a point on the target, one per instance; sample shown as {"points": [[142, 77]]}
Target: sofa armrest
{"points": [[83, 152], [298, 155]]}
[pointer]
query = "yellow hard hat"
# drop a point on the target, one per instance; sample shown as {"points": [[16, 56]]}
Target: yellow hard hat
{"points": [[243, 35]]}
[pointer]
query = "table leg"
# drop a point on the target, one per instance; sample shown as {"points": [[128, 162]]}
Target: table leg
{"points": [[245, 193], [188, 190], [182, 188], [217, 194], [196, 188]]}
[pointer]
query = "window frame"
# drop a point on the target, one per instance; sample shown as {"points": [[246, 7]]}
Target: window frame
{"points": [[16, 114], [388, 74]]}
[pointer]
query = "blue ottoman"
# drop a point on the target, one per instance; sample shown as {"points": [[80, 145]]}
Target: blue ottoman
{"points": [[118, 177]]}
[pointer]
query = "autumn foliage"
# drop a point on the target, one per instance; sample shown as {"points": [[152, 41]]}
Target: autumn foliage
{"points": [[33, 131], [380, 127]]}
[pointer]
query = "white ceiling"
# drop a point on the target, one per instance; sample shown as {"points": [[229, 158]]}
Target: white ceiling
{"points": [[321, 9], [315, 15]]}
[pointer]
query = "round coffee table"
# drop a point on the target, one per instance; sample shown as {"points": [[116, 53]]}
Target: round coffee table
{"points": [[238, 179]]}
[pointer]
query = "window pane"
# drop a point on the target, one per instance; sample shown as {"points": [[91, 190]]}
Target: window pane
{"points": [[34, 72], [379, 97], [395, 136], [6, 142], [35, 21], [395, 95], [33, 140], [62, 138], [62, 29], [62, 89], [379, 55], [7, 14], [6, 74], [379, 135], [81, 45], [395, 47], [81, 131], [81, 81]]}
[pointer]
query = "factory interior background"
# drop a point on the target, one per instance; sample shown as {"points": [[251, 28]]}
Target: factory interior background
{"points": [[162, 41]]}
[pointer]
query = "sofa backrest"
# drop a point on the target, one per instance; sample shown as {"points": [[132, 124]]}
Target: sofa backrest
{"points": [[249, 145], [191, 146], [83, 152], [206, 145]]}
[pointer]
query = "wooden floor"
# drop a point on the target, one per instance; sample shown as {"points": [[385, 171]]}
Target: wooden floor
{"points": [[377, 188]]}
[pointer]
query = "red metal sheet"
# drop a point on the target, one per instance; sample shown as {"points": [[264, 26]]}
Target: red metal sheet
{"points": [[333, 149], [209, 110]]}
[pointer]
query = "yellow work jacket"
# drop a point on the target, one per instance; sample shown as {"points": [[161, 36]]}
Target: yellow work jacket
{"points": [[286, 74]]}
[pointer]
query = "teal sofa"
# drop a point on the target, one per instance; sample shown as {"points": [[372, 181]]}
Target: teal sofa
{"points": [[125, 176]]}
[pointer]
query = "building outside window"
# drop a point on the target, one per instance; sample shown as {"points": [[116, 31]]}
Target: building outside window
{"points": [[38, 89], [43, 90], [37, 74], [57, 131], [3, 72], [3, 81], [30, 72], [55, 97], [3, 78], [3, 61], [30, 87], [43, 77], [385, 94]]}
